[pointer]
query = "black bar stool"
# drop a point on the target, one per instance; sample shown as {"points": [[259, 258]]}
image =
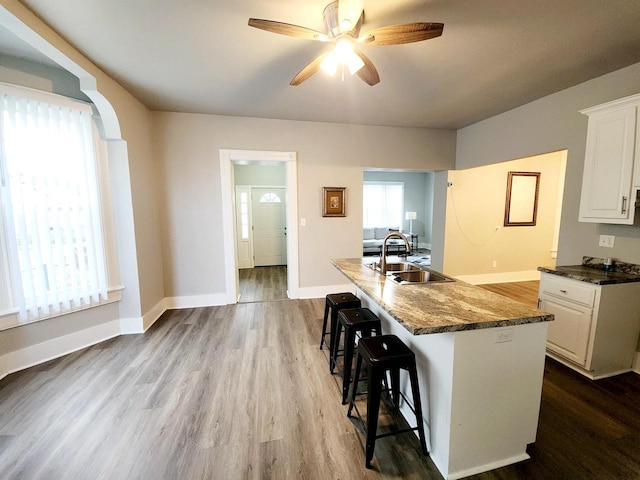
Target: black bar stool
{"points": [[381, 354], [335, 302], [353, 320]]}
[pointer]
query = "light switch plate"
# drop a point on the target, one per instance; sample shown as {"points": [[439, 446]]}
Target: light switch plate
{"points": [[607, 241]]}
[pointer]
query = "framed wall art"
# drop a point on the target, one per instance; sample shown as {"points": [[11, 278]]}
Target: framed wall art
{"points": [[333, 201], [521, 205]]}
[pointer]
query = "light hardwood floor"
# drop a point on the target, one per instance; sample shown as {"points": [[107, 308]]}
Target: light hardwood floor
{"points": [[525, 292], [243, 392], [261, 284]]}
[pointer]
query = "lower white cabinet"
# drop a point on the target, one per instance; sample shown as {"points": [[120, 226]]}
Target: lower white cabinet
{"points": [[596, 327]]}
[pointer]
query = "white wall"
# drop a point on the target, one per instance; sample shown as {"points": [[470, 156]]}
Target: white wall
{"points": [[254, 174], [329, 155], [549, 124]]}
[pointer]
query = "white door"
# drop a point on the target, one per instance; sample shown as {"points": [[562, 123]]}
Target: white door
{"points": [[269, 226]]}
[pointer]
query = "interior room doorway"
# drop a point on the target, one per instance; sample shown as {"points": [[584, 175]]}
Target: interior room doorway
{"points": [[229, 158]]}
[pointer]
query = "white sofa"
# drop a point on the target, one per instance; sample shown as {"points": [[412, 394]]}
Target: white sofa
{"points": [[372, 241]]}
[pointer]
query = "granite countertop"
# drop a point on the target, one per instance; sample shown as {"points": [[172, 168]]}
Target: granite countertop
{"points": [[591, 271], [439, 307]]}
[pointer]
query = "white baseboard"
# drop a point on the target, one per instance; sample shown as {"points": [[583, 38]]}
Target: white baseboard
{"points": [[323, 291], [636, 363], [57, 347], [196, 301], [504, 277]]}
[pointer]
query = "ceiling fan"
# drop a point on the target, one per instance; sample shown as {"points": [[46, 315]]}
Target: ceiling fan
{"points": [[343, 19]]}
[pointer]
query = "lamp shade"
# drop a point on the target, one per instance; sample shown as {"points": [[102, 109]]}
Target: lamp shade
{"points": [[410, 216]]}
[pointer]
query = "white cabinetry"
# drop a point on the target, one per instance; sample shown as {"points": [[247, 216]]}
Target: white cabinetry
{"points": [[612, 162], [596, 327]]}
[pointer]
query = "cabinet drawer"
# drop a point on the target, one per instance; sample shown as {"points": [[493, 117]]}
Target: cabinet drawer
{"points": [[570, 290]]}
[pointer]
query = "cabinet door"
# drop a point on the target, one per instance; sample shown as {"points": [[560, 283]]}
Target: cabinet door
{"points": [[568, 334], [608, 167]]}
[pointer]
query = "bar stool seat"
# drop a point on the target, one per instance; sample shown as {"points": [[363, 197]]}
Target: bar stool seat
{"points": [[335, 302], [381, 354], [353, 320]]}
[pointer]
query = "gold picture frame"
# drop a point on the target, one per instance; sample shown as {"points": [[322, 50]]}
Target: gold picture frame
{"points": [[521, 205], [334, 201]]}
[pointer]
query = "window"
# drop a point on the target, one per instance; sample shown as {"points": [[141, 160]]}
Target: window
{"points": [[53, 257], [383, 203], [270, 197], [244, 215]]}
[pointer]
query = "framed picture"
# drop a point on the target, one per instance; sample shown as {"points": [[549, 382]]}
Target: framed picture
{"points": [[333, 201], [521, 205]]}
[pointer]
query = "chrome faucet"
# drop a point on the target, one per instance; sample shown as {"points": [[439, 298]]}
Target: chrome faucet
{"points": [[383, 253]]}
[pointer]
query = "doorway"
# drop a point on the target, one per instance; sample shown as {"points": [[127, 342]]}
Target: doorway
{"points": [[228, 158]]}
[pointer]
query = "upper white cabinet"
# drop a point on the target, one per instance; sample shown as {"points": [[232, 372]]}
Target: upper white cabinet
{"points": [[612, 162]]}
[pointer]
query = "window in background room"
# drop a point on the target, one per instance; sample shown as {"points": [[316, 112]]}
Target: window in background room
{"points": [[383, 204], [54, 253]]}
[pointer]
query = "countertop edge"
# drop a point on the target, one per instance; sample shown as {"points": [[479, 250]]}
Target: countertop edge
{"points": [[453, 327]]}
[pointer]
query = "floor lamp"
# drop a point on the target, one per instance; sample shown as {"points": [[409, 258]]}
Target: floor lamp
{"points": [[411, 216]]}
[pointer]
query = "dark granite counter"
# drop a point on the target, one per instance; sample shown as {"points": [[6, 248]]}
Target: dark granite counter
{"points": [[439, 307], [591, 271]]}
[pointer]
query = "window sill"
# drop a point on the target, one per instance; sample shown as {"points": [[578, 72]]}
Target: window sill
{"points": [[10, 319]]}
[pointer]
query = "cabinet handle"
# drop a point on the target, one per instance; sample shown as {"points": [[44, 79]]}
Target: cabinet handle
{"points": [[624, 205], [563, 291]]}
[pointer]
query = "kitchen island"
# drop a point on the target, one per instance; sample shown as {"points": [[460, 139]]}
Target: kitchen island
{"points": [[480, 359]]}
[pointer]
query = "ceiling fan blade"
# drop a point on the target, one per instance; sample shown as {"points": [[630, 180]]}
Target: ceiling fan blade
{"points": [[287, 29], [407, 33], [309, 70], [349, 13], [368, 73]]}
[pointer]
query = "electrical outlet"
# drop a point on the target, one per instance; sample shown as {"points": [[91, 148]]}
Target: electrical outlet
{"points": [[303, 222], [495, 264], [607, 241], [503, 336]]}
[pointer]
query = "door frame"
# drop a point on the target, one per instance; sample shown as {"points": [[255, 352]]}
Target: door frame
{"points": [[227, 159]]}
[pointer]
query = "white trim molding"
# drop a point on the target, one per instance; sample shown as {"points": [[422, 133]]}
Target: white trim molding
{"points": [[636, 363], [57, 347]]}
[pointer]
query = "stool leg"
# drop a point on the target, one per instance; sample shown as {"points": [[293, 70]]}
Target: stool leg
{"points": [[395, 387], [417, 406], [354, 386], [336, 347], [324, 322], [373, 408], [349, 340], [332, 336]]}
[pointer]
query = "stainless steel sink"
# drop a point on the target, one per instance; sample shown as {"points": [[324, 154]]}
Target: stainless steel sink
{"points": [[420, 276], [395, 267], [402, 267], [407, 273]]}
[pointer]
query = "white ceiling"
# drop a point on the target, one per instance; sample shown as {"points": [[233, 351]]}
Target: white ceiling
{"points": [[201, 56]]}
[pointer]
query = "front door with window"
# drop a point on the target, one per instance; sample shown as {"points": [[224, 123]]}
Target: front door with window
{"points": [[269, 226]]}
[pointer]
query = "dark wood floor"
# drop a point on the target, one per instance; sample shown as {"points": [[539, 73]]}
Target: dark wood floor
{"points": [[261, 284], [243, 392]]}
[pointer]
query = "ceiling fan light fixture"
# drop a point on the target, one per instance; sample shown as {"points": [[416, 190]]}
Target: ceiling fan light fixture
{"points": [[349, 12], [330, 64], [354, 63]]}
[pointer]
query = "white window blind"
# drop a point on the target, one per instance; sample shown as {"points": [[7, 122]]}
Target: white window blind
{"points": [[383, 203], [50, 207]]}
